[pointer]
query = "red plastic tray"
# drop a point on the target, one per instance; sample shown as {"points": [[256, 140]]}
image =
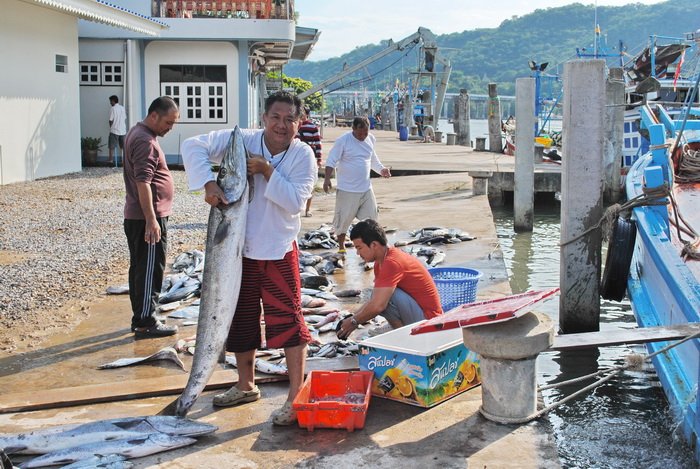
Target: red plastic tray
{"points": [[484, 312], [323, 401]]}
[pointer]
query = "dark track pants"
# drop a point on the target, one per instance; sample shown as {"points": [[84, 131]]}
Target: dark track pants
{"points": [[147, 263]]}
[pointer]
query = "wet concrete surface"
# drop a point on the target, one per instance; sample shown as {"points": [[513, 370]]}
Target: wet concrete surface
{"points": [[451, 434]]}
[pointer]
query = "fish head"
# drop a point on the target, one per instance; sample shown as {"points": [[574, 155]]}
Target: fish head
{"points": [[232, 177], [173, 425], [168, 441]]}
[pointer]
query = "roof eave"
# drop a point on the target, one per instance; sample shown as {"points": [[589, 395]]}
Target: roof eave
{"points": [[100, 12]]}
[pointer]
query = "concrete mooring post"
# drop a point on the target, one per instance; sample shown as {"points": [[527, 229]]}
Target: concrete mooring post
{"points": [[495, 140], [614, 130], [461, 117], [524, 192], [508, 358], [581, 195], [391, 112]]}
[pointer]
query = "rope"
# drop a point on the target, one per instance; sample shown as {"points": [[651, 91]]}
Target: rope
{"points": [[609, 373], [647, 197]]}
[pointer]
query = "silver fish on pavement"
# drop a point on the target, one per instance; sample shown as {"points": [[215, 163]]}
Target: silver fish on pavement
{"points": [[223, 267], [111, 461], [133, 447], [166, 353], [65, 436]]}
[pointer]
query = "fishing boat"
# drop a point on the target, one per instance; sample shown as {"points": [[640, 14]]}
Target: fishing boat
{"points": [[660, 73], [664, 274]]}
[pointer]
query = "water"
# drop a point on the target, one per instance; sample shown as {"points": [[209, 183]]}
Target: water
{"points": [[623, 423]]}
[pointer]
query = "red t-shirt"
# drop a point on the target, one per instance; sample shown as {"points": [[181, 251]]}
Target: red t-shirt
{"points": [[401, 270], [144, 161]]}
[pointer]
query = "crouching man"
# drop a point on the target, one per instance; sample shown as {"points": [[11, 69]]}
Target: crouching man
{"points": [[404, 292]]}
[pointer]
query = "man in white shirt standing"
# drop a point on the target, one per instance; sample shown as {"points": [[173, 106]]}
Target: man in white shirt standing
{"points": [[353, 156], [283, 171], [117, 128]]}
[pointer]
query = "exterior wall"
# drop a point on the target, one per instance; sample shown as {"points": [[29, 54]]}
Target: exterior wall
{"points": [[191, 53], [39, 107]]}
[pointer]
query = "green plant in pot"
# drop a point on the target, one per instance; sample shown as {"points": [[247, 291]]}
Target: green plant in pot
{"points": [[90, 146]]}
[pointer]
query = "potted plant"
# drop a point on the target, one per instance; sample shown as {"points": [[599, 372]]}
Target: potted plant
{"points": [[90, 146]]}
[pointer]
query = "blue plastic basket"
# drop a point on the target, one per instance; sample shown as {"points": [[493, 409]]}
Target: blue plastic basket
{"points": [[455, 285]]}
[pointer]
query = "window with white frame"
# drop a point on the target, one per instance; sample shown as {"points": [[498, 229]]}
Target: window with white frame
{"points": [[199, 90], [102, 73], [112, 73]]}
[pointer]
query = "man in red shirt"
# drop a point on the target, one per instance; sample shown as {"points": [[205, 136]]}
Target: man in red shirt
{"points": [[404, 292], [149, 203]]}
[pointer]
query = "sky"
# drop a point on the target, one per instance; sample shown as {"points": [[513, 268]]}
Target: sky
{"points": [[345, 24]]}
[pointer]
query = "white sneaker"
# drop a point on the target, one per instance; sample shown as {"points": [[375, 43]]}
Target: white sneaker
{"points": [[381, 329]]}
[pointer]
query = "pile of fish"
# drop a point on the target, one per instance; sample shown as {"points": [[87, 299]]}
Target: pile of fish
{"points": [[103, 443], [326, 263], [436, 235], [319, 238], [429, 255]]}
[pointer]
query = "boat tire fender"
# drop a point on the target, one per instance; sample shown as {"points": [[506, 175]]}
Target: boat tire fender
{"points": [[618, 260]]}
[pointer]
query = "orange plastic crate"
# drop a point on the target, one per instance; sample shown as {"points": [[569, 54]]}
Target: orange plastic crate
{"points": [[334, 399]]}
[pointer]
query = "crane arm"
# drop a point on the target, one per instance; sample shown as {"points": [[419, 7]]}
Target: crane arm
{"points": [[423, 34]]}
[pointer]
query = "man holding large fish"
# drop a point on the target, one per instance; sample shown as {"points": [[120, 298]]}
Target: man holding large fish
{"points": [[282, 173]]}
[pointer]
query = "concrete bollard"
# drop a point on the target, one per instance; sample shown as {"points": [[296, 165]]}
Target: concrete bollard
{"points": [[508, 353], [480, 182], [451, 139], [480, 144], [539, 153]]}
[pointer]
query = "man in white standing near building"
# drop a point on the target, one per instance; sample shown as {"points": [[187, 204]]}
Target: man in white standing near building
{"points": [[353, 156], [117, 128]]}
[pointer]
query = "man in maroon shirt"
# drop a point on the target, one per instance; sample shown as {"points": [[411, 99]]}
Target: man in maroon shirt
{"points": [[149, 203]]}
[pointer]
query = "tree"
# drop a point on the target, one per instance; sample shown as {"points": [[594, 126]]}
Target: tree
{"points": [[298, 85]]}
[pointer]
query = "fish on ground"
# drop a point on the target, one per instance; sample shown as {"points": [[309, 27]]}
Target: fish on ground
{"points": [[166, 353], [60, 437], [189, 312], [223, 268], [110, 461], [263, 366], [132, 447], [118, 289]]}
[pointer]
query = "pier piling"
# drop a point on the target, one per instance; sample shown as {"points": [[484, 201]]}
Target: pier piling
{"points": [[614, 130], [461, 118], [581, 195], [494, 116], [524, 194]]}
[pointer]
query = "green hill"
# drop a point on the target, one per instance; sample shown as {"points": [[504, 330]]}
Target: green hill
{"points": [[501, 54]]}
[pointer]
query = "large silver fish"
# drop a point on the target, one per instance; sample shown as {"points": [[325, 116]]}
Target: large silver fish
{"points": [[134, 447], [65, 436], [222, 273]]}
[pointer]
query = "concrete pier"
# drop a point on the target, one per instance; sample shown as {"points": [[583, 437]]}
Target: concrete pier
{"points": [[581, 195], [524, 198], [452, 434]]}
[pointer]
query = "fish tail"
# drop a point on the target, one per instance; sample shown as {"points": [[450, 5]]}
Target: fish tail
{"points": [[171, 409]]}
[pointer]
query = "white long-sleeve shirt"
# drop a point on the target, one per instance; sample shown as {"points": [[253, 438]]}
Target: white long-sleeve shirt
{"points": [[352, 160], [273, 213]]}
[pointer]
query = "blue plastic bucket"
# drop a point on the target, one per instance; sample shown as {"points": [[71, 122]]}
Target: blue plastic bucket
{"points": [[455, 285], [403, 133]]}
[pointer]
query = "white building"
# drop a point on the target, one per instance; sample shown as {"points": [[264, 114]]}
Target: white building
{"points": [[212, 60], [39, 92], [62, 59]]}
